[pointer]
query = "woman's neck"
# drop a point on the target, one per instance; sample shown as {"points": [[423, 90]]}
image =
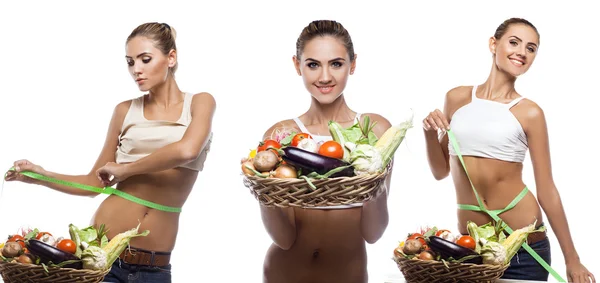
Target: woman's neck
{"points": [[166, 94], [499, 85], [321, 114]]}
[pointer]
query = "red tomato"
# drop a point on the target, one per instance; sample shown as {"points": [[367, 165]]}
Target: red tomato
{"points": [[466, 241], [16, 238], [40, 234], [264, 145], [439, 232], [331, 149], [415, 235], [298, 137], [67, 246]]}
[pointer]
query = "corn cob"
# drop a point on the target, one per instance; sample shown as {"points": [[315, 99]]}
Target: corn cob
{"points": [[513, 243], [391, 140], [118, 244]]}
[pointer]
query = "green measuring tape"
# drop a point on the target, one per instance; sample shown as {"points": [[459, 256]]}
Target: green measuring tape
{"points": [[106, 190], [494, 214]]}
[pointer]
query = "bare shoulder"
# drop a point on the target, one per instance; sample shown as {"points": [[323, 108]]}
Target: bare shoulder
{"points": [[122, 108], [285, 126], [382, 124], [531, 109], [459, 94], [530, 114], [204, 98], [456, 98]]}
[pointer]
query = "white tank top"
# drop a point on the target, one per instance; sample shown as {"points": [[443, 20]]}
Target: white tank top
{"points": [[140, 136], [488, 129]]}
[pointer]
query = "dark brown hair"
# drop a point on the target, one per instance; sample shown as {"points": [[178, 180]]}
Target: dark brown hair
{"points": [[503, 27], [325, 28], [163, 36]]}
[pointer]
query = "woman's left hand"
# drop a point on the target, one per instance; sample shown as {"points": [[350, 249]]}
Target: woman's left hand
{"points": [[577, 273], [112, 173]]}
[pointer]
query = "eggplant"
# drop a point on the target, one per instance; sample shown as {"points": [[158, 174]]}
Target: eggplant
{"points": [[313, 162], [447, 249], [48, 253]]}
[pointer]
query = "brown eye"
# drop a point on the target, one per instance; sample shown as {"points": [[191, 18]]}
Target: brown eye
{"points": [[130, 62], [146, 60]]}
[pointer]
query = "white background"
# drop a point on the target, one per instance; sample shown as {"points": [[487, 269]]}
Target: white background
{"points": [[63, 70]]}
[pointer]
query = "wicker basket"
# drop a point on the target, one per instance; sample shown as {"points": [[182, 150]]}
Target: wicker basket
{"points": [[292, 192], [23, 273], [426, 271]]}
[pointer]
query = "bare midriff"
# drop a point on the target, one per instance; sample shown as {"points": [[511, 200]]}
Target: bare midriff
{"points": [[329, 247], [498, 183], [170, 187]]}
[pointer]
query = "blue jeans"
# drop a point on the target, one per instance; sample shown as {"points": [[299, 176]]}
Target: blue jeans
{"points": [[524, 267], [122, 272]]}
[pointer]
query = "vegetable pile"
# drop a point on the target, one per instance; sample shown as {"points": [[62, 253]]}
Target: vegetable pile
{"points": [[86, 248], [353, 151], [485, 244]]}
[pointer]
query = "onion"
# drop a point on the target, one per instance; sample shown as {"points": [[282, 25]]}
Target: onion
{"points": [[285, 171], [247, 171]]}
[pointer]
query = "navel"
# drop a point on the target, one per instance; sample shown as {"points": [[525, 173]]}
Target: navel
{"points": [[315, 253]]}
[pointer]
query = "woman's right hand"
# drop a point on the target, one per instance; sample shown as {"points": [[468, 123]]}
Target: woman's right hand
{"points": [[20, 166], [436, 120]]}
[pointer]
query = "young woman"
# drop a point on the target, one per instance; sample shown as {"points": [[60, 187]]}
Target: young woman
{"points": [[324, 244], [494, 126], [155, 146]]}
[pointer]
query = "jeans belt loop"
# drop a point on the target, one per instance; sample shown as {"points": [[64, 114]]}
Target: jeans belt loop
{"points": [[152, 259]]}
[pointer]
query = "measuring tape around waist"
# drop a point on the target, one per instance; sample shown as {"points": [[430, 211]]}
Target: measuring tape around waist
{"points": [[106, 190]]}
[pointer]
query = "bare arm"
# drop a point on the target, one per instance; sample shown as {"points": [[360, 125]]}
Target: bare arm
{"points": [[280, 223], [437, 147], [106, 155], [374, 215], [185, 150], [547, 193]]}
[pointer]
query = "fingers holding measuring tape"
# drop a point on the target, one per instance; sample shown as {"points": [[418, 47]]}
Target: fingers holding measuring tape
{"points": [[111, 173], [23, 165], [436, 120]]}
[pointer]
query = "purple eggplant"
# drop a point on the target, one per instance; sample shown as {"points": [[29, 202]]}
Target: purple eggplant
{"points": [[447, 249], [48, 253], [313, 162]]}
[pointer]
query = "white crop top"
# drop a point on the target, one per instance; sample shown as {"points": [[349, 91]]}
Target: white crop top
{"points": [[487, 128], [140, 136], [319, 139]]}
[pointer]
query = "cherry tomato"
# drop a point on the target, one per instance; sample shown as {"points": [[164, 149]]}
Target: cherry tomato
{"points": [[439, 232], [466, 241], [298, 137], [415, 236], [40, 234], [331, 149], [264, 145], [18, 238], [67, 245]]}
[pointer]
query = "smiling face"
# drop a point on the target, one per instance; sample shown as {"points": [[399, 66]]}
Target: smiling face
{"points": [[516, 49], [325, 66], [148, 65]]}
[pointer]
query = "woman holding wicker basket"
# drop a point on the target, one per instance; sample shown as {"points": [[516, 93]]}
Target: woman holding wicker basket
{"points": [[155, 147], [492, 126], [324, 244]]}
